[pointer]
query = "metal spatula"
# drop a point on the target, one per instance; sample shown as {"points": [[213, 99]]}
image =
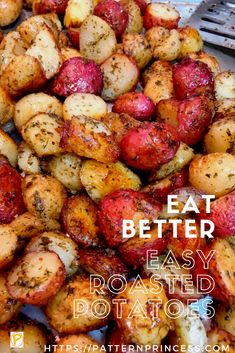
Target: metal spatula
{"points": [[216, 21]]}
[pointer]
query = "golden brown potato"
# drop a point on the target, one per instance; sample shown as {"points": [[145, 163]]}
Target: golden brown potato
{"points": [[84, 104], [225, 317], [210, 60], [135, 22], [9, 11], [34, 337], [8, 148], [68, 53], [62, 310], [35, 103], [182, 157], [225, 107], [159, 86], [28, 162], [65, 168], [82, 342], [8, 241], [213, 173], [11, 45], [7, 107], [42, 134], [221, 136], [191, 41], [225, 85], [43, 195], [144, 328], [9, 307], [23, 74], [45, 49], [59, 243], [137, 46], [76, 12], [160, 68], [97, 40], [101, 179]]}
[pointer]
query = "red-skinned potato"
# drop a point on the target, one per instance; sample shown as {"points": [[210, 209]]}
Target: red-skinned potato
{"points": [[142, 5], [135, 20], [79, 219], [161, 15], [103, 263], [134, 252], [149, 146], [89, 138], [120, 75], [210, 60], [73, 34], [77, 75], [162, 188], [11, 199], [124, 204], [44, 6], [112, 12], [136, 105], [222, 215], [192, 77], [36, 277]]}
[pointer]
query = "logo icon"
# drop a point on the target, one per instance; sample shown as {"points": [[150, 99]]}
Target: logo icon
{"points": [[17, 340]]}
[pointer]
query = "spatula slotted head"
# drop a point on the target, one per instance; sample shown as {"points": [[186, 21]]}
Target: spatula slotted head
{"points": [[216, 22]]}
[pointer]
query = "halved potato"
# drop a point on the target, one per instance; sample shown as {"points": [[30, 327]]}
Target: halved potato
{"points": [[101, 179], [225, 85], [158, 14], [8, 241], [36, 277], [210, 60], [84, 104], [35, 103], [191, 40], [9, 307], [77, 11], [11, 45], [9, 11], [159, 87], [8, 148], [97, 40], [28, 162], [135, 22], [137, 46], [42, 134], [159, 69], [7, 107], [45, 49], [59, 243]]}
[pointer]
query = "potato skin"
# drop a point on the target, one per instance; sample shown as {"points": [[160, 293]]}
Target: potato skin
{"points": [[114, 14], [192, 77], [213, 173], [152, 16], [142, 5], [89, 138], [79, 220], [9, 307], [9, 11], [11, 199], [60, 309], [43, 195], [136, 105], [210, 60], [44, 6], [191, 41], [77, 75], [135, 20], [120, 205], [149, 146]]}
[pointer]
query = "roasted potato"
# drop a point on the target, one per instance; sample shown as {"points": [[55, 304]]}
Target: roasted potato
{"points": [[135, 20], [59, 243], [9, 244], [9, 11], [210, 60], [101, 179], [192, 77], [165, 44], [224, 107], [221, 136], [149, 146], [120, 75], [9, 307], [33, 104], [152, 324], [191, 41], [74, 34], [44, 6], [167, 110], [45, 49], [36, 277], [28, 162], [8, 148], [114, 14], [224, 317], [43, 195], [23, 74], [62, 310], [7, 107], [161, 15], [82, 342], [225, 85], [142, 5], [218, 339], [213, 173], [42, 134], [79, 220], [68, 53], [159, 69], [66, 168], [158, 83], [137, 46], [84, 104], [77, 75], [89, 138], [76, 12], [124, 204], [135, 104]]}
